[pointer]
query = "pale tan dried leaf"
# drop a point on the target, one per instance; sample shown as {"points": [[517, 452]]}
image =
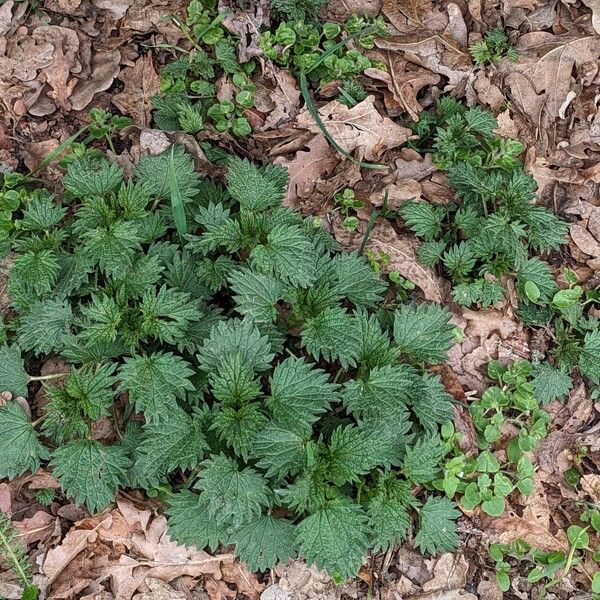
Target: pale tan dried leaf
{"points": [[104, 68], [340, 10], [238, 574], [5, 496], [449, 573], [434, 52], [6, 16], [594, 5], [457, 28], [404, 84], [245, 23], [57, 559], [159, 590], [584, 240], [590, 484], [409, 15], [285, 99], [397, 193], [360, 128], [36, 528], [548, 60], [141, 83], [301, 582], [482, 323], [306, 168], [449, 595], [118, 7]]}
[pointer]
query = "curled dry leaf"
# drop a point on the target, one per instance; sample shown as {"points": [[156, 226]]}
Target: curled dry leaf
{"points": [[104, 68], [548, 61], [360, 128], [404, 81], [141, 83], [449, 573]]}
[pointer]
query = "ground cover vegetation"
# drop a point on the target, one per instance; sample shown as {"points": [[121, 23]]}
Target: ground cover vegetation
{"points": [[276, 391]]}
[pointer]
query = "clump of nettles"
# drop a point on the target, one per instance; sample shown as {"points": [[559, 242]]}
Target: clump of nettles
{"points": [[250, 369], [494, 46], [494, 226]]}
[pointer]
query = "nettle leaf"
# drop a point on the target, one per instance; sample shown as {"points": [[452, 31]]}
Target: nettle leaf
{"points": [[45, 327], [36, 270], [589, 359], [265, 541], [191, 524], [90, 472], [288, 253], [388, 515], [550, 383], [540, 273], [239, 427], [430, 401], [332, 335], [335, 537], [438, 531], [422, 460], [256, 294], [154, 382], [88, 177], [235, 382], [357, 281], [92, 390], [41, 214], [13, 377], [423, 331], [299, 392], [423, 218], [233, 495], [280, 450], [175, 443], [256, 188], [236, 337], [20, 449], [375, 349]]}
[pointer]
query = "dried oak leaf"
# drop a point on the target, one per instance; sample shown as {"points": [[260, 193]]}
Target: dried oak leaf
{"points": [[548, 61], [141, 83], [245, 24], [360, 128], [449, 573], [434, 52], [284, 98], [404, 82], [104, 68], [238, 574], [306, 168]]}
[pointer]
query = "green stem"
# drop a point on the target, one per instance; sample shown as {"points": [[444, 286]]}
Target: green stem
{"points": [[12, 557], [372, 220]]}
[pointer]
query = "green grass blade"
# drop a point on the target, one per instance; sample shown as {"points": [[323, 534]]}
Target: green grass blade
{"points": [[177, 207]]}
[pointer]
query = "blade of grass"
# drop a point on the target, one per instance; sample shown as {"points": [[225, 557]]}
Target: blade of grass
{"points": [[371, 222], [177, 207]]}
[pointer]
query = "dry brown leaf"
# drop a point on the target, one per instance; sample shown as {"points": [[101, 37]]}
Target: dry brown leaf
{"points": [[409, 15], [104, 68], [584, 240], [594, 5], [284, 99], [37, 528], [360, 128], [482, 323], [141, 83], [238, 574], [590, 484], [159, 590], [548, 60], [5, 497], [449, 573], [306, 168], [434, 52], [404, 84], [245, 24]]}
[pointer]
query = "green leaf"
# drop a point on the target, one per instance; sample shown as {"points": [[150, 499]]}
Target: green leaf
{"points": [[154, 382], [256, 188], [232, 338], [430, 401], [487, 462], [13, 377], [494, 507], [190, 522], [357, 281], [423, 331], [177, 199], [596, 583], [233, 496], [589, 360], [438, 532], [42, 214], [532, 291], [265, 541], [422, 460], [299, 392], [280, 450], [36, 270], [578, 537], [20, 449], [45, 327], [332, 335], [335, 538], [177, 442], [90, 472], [536, 272], [87, 177], [256, 294], [550, 383], [423, 218], [288, 253], [239, 427]]}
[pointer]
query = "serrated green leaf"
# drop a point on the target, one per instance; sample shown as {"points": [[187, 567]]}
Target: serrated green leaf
{"points": [[357, 281], [265, 541], [550, 383], [335, 537], [13, 377], [256, 294], [438, 532], [299, 392], [20, 449], [589, 360], [154, 383], [423, 331], [90, 472], [255, 188], [233, 495], [422, 460], [45, 327], [190, 522]]}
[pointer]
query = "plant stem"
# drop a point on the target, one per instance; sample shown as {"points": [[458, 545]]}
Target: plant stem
{"points": [[12, 557], [48, 377]]}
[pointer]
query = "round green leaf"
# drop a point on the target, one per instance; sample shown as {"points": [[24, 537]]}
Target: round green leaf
{"points": [[525, 486], [578, 537], [503, 581], [487, 462], [494, 507], [596, 583], [532, 291]]}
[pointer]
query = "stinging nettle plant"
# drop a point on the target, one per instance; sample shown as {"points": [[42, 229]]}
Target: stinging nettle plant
{"points": [[250, 369]]}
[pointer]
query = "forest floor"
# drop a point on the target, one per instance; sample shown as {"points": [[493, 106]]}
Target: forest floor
{"points": [[61, 58]]}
